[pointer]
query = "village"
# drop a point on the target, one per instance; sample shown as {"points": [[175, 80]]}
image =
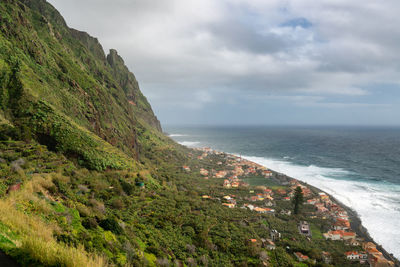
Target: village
{"points": [[233, 173]]}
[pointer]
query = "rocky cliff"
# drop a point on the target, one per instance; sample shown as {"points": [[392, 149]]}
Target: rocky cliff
{"points": [[58, 87]]}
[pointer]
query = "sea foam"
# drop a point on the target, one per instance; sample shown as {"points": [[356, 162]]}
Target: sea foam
{"points": [[190, 143], [178, 135], [376, 203]]}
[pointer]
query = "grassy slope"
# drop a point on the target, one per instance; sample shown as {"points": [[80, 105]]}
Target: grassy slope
{"points": [[79, 203], [62, 90]]}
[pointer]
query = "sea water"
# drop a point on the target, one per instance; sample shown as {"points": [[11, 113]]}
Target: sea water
{"points": [[360, 166]]}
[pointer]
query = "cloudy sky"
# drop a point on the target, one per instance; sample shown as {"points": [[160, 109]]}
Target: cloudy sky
{"points": [[255, 61]]}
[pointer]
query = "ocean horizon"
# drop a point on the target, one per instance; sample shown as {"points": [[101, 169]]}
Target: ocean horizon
{"points": [[358, 165]]}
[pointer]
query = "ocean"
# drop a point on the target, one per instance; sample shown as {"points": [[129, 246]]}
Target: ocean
{"points": [[360, 166]]}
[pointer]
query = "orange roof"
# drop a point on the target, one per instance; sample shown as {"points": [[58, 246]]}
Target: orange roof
{"points": [[372, 250], [348, 253], [348, 234], [300, 255]]}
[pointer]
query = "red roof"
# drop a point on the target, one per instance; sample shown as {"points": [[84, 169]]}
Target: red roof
{"points": [[348, 253]]}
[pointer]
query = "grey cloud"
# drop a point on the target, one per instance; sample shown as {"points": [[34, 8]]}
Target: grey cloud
{"points": [[202, 51], [238, 36]]}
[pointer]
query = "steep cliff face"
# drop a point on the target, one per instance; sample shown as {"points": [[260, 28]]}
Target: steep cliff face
{"points": [[91, 43], [129, 84], [58, 86]]}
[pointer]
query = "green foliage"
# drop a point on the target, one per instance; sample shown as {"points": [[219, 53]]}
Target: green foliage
{"points": [[111, 225], [297, 200], [88, 135]]}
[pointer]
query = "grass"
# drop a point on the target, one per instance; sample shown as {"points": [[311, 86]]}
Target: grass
{"points": [[260, 181], [32, 236], [316, 233]]}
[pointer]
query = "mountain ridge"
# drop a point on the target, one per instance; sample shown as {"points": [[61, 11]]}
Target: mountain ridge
{"points": [[68, 71]]}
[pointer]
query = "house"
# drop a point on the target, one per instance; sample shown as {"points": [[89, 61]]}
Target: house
{"points": [[254, 198], [229, 205], [333, 235], [267, 173], [281, 191], [267, 196], [286, 212], [312, 201], [203, 172], [348, 235], [304, 228], [363, 255], [268, 191], [250, 207], [221, 174], [186, 168], [326, 257], [300, 257], [353, 242], [235, 184], [373, 251], [275, 235], [268, 244], [322, 209], [341, 224], [352, 255], [269, 204], [306, 191], [323, 196], [206, 197], [264, 210], [227, 184], [368, 245], [238, 171], [379, 261]]}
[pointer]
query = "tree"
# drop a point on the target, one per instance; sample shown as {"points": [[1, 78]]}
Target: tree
{"points": [[297, 200]]}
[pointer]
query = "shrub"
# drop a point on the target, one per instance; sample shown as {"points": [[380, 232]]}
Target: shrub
{"points": [[111, 225]]}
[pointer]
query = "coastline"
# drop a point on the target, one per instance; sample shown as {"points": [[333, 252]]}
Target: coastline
{"points": [[355, 220], [357, 226]]}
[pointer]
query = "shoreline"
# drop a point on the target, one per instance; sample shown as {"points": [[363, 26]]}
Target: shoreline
{"points": [[355, 220], [357, 226]]}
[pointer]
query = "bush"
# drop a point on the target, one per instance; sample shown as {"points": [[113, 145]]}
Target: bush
{"points": [[111, 225]]}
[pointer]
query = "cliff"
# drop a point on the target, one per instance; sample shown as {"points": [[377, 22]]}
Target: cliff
{"points": [[87, 178], [56, 80]]}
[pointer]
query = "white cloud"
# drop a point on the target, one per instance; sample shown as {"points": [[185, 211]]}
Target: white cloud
{"points": [[197, 49]]}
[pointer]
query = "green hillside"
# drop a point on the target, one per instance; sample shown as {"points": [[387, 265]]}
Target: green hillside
{"points": [[87, 178], [59, 88]]}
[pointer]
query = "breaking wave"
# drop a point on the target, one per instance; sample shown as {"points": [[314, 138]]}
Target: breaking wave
{"points": [[190, 143], [177, 135], [377, 203]]}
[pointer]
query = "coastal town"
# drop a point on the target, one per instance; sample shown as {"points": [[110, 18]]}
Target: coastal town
{"points": [[249, 186]]}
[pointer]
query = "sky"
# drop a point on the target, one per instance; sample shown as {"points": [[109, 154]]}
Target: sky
{"points": [[255, 62]]}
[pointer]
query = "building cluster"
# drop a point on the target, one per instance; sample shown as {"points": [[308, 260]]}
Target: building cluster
{"points": [[370, 255], [262, 201]]}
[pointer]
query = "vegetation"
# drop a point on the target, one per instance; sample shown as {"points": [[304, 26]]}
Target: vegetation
{"points": [[87, 178], [297, 200]]}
